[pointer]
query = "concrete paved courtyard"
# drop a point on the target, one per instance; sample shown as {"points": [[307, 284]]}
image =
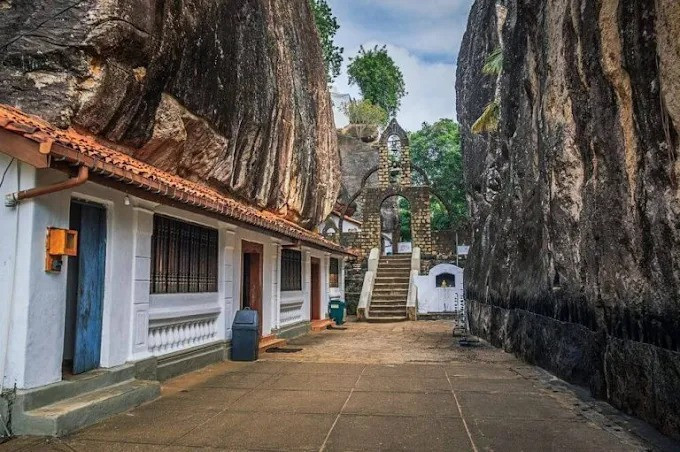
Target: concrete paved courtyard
{"points": [[402, 386]]}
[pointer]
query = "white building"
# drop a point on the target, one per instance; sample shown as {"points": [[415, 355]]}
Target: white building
{"points": [[161, 267], [339, 101]]}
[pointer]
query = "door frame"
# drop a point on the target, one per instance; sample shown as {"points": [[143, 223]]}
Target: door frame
{"points": [[315, 289], [256, 249]]}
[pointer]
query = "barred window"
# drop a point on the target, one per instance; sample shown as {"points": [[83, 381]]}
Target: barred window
{"points": [[183, 257], [291, 270], [334, 273]]}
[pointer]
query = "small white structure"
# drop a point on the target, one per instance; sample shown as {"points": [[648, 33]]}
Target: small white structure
{"points": [[332, 224], [441, 291], [405, 247]]}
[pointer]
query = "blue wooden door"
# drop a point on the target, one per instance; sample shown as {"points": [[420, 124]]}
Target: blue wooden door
{"points": [[91, 266]]}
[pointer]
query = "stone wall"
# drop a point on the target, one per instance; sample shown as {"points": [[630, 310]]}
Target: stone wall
{"points": [[357, 157], [354, 281], [575, 258]]}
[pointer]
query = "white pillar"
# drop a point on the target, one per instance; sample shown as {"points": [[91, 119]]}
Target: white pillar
{"points": [[306, 284], [228, 255], [276, 283], [141, 288]]}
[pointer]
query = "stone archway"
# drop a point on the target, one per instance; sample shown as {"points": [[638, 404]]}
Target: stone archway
{"points": [[395, 227], [419, 201]]}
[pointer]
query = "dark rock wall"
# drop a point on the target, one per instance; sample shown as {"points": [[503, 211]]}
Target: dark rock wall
{"points": [[357, 158], [575, 259], [229, 92]]}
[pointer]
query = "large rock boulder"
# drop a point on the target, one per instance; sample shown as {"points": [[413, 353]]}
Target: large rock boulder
{"points": [[229, 92], [575, 261]]}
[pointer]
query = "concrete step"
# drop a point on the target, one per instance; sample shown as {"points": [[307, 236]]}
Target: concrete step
{"points": [[388, 303], [390, 290], [379, 284], [404, 276], [387, 319], [394, 272], [73, 385], [401, 256], [271, 341], [320, 325], [404, 266], [389, 297], [392, 280], [393, 268], [402, 300], [386, 312], [71, 414]]}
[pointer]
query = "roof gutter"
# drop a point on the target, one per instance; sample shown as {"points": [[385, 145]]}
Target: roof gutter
{"points": [[12, 199]]}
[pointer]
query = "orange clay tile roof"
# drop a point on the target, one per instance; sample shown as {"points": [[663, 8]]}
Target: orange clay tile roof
{"points": [[86, 150]]}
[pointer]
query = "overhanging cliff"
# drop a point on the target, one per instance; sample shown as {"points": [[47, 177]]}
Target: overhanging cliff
{"points": [[575, 261], [232, 93]]}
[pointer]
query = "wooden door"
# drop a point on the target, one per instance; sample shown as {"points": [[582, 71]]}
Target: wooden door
{"points": [[316, 289], [90, 270], [251, 289]]}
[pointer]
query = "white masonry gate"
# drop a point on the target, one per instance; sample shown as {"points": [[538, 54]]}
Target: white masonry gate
{"points": [[441, 291]]}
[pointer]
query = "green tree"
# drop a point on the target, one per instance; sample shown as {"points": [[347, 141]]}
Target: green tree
{"points": [[327, 25], [364, 112], [436, 149], [404, 221], [378, 77]]}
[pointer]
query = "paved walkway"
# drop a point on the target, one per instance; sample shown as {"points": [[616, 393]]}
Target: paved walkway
{"points": [[405, 386]]}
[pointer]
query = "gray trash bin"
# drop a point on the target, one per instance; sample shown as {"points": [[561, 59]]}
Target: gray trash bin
{"points": [[245, 336]]}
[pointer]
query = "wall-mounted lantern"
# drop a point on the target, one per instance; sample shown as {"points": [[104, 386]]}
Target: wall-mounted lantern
{"points": [[59, 243]]}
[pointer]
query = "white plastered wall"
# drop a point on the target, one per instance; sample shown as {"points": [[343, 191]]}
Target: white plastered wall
{"points": [[35, 349], [32, 315]]}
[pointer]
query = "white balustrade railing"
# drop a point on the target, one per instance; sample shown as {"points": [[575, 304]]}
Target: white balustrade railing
{"points": [[171, 335], [291, 312]]}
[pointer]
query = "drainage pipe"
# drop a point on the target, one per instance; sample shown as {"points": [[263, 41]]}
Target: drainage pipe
{"points": [[12, 199]]}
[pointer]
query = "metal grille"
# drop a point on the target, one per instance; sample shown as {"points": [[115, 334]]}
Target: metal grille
{"points": [[334, 273], [291, 270], [183, 257]]}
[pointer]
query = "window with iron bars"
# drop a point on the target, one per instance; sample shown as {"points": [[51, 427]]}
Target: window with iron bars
{"points": [[291, 270], [183, 257], [334, 273]]}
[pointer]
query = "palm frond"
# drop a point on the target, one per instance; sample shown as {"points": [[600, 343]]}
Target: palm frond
{"points": [[494, 63], [488, 121]]}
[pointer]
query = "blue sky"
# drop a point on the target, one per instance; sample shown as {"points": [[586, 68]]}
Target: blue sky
{"points": [[423, 37]]}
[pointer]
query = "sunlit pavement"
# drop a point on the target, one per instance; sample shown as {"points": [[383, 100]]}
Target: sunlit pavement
{"points": [[401, 386]]}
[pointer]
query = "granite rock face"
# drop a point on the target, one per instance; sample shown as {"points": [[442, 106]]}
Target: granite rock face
{"points": [[575, 260], [229, 92], [358, 157]]}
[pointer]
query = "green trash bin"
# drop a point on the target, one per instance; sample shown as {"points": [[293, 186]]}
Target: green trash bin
{"points": [[337, 310]]}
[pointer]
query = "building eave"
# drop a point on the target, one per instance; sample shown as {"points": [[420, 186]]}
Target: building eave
{"points": [[34, 141]]}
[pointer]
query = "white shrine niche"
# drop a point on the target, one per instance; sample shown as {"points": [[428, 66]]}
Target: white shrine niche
{"points": [[441, 291]]}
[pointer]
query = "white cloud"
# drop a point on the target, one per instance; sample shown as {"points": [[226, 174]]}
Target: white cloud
{"points": [[430, 86]]}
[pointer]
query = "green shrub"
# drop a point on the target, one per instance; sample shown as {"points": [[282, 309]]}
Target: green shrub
{"points": [[364, 112]]}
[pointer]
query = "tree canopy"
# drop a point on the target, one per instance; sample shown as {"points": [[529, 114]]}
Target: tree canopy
{"points": [[327, 25], [378, 77], [436, 149]]}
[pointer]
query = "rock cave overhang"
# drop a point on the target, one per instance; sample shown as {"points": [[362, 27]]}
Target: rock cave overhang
{"points": [[32, 140]]}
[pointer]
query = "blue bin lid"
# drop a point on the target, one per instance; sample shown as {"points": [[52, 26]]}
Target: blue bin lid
{"points": [[245, 319]]}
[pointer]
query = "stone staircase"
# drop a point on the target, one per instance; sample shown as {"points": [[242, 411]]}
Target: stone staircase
{"points": [[390, 293]]}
